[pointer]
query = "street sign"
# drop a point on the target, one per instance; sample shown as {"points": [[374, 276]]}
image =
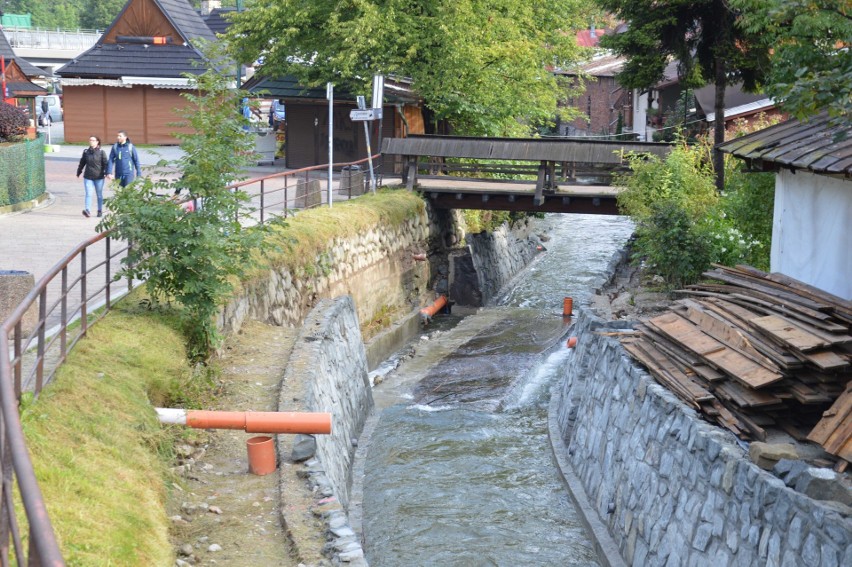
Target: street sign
{"points": [[365, 115]]}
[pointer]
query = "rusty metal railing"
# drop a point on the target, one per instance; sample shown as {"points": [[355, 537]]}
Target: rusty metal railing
{"points": [[67, 305]]}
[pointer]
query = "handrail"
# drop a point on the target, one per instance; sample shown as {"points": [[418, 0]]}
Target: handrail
{"points": [[14, 457]]}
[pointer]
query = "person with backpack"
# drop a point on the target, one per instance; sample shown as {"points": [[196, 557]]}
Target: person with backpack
{"points": [[124, 159], [94, 162]]}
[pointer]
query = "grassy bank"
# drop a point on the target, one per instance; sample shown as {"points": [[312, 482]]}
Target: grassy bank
{"points": [[299, 242], [99, 452]]}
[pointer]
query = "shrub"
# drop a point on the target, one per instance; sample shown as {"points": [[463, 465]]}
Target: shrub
{"points": [[684, 225], [193, 257], [13, 122]]}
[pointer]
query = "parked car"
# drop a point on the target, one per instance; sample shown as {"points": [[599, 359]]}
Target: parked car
{"points": [[51, 105], [276, 114]]}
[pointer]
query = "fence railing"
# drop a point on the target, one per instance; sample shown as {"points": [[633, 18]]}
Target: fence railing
{"points": [[72, 296], [35, 38]]}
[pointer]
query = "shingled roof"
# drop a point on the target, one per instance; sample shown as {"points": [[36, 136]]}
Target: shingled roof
{"points": [[216, 22], [111, 58], [25, 66], [820, 145]]}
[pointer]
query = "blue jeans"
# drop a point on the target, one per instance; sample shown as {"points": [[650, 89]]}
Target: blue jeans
{"points": [[124, 178], [96, 185]]}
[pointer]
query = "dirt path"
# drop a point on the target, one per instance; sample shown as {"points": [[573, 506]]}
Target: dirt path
{"points": [[222, 514]]}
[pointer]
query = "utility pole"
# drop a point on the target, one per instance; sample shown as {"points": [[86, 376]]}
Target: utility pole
{"points": [[239, 65]]}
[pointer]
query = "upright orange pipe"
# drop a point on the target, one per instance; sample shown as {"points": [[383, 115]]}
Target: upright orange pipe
{"points": [[567, 307], [249, 421], [437, 305]]}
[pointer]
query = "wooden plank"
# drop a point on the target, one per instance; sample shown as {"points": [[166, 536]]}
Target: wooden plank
{"points": [[788, 333], [839, 411], [826, 360], [725, 332], [713, 352], [745, 397]]}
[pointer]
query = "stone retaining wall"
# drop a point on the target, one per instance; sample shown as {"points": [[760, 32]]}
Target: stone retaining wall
{"points": [[671, 488], [376, 268]]}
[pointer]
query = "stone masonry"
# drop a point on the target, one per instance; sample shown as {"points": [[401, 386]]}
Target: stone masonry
{"points": [[672, 489]]}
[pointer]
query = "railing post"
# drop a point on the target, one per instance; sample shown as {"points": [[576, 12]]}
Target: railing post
{"points": [[42, 321], [19, 331], [286, 200], [63, 315], [129, 277], [261, 201], [107, 285], [83, 299]]}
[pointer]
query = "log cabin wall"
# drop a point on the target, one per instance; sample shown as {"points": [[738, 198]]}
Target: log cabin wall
{"points": [[145, 113]]}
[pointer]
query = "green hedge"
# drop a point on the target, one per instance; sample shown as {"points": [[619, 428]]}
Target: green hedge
{"points": [[21, 171]]}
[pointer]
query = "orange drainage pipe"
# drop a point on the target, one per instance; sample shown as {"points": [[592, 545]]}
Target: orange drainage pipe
{"points": [[567, 307], [419, 257], [437, 305], [249, 421], [572, 342]]}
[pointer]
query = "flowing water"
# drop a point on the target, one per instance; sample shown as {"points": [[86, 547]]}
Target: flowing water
{"points": [[459, 470]]}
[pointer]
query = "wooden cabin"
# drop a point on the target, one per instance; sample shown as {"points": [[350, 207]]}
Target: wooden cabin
{"points": [[133, 78]]}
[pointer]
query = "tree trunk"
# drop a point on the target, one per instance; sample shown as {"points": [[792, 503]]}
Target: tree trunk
{"points": [[719, 125]]}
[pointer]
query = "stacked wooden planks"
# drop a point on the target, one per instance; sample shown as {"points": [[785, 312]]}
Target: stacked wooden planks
{"points": [[753, 350]]}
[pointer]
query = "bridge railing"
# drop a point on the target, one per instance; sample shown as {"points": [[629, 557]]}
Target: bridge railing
{"points": [[72, 296], [36, 38]]}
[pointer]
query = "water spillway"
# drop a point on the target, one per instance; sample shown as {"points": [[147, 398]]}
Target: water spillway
{"points": [[458, 468]]}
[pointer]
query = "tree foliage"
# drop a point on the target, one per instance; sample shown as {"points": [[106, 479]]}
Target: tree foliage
{"points": [[701, 35], [482, 64], [683, 224], [812, 52], [193, 256]]}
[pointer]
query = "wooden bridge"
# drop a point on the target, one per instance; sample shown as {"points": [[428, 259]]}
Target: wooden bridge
{"points": [[482, 173]]}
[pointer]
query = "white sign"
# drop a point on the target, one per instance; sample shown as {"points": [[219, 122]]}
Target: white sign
{"points": [[365, 115]]}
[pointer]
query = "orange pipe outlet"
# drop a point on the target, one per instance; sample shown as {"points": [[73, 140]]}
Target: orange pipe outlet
{"points": [[567, 307], [250, 421], [261, 455], [436, 306], [572, 342], [419, 257]]}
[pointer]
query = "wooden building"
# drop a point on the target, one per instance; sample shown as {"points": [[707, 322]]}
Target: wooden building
{"points": [[132, 79], [811, 231], [307, 121], [19, 71]]}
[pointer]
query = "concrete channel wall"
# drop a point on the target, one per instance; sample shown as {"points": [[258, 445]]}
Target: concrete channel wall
{"points": [[669, 488]]}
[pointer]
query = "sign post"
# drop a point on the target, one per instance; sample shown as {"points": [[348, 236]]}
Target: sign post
{"points": [[329, 94], [364, 114]]}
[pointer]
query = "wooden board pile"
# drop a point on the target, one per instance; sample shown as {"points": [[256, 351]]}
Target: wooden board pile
{"points": [[754, 350]]}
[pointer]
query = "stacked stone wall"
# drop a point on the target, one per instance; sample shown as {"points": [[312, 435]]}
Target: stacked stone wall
{"points": [[671, 488]]}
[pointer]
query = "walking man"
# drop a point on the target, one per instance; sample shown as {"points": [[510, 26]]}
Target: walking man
{"points": [[124, 159]]}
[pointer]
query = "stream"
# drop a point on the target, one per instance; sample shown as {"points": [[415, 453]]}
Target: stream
{"points": [[459, 469]]}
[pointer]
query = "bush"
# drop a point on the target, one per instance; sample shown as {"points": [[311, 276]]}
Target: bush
{"points": [[13, 122], [684, 225]]}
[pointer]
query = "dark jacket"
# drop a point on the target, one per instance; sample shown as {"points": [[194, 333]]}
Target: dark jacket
{"points": [[94, 160], [124, 158]]}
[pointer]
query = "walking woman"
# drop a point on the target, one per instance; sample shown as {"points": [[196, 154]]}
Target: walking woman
{"points": [[94, 161]]}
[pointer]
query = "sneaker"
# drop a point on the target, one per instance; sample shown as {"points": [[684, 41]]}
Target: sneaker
{"points": [[86, 213], [100, 213]]}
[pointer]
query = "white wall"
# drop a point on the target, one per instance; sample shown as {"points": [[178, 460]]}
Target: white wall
{"points": [[812, 231]]}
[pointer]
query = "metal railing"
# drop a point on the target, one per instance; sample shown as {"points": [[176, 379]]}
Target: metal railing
{"points": [[35, 38], [67, 305]]}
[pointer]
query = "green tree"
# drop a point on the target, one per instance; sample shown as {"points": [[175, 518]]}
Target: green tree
{"points": [[481, 64], [702, 36], [812, 52], [99, 14], [193, 256]]}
